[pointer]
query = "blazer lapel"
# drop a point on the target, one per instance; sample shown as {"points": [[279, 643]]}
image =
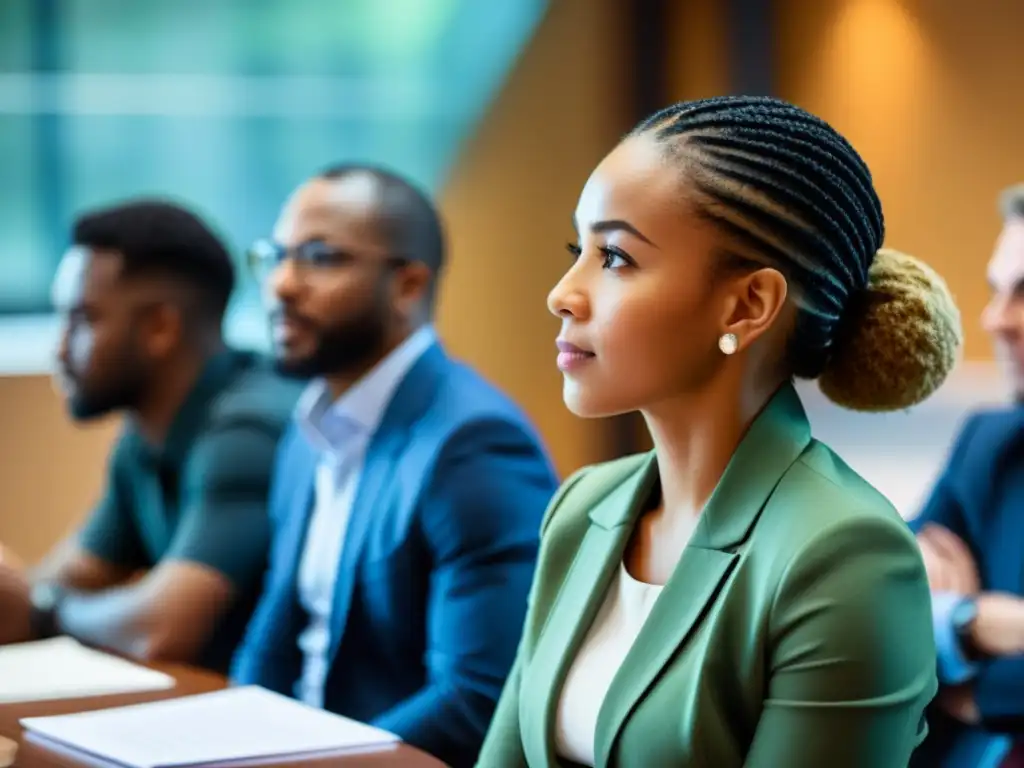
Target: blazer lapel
{"points": [[681, 606], [775, 440], [370, 502], [578, 601], [299, 508], [411, 399]]}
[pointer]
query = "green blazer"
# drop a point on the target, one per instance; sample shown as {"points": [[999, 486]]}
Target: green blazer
{"points": [[795, 631]]}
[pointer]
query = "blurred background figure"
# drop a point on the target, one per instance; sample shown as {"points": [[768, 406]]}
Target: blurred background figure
{"points": [[169, 564], [971, 533], [409, 493], [1003, 317]]}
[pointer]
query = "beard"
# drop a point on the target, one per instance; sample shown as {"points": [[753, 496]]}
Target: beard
{"points": [[347, 346], [88, 401]]}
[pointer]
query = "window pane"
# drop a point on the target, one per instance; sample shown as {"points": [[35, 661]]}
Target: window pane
{"points": [[227, 105]]}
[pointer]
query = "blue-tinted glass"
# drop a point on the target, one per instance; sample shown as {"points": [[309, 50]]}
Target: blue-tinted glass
{"points": [[227, 105]]}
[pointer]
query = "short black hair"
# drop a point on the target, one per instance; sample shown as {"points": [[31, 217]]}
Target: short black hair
{"points": [[161, 239], [790, 190], [409, 221]]}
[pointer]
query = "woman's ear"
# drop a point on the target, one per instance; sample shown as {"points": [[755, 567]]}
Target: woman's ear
{"points": [[755, 301]]}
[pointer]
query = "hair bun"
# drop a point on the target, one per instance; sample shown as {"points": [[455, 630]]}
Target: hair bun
{"points": [[901, 341]]}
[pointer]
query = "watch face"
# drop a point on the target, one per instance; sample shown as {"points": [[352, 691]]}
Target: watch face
{"points": [[45, 596], [964, 614]]}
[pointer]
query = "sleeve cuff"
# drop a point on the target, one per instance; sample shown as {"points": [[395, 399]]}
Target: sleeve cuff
{"points": [[954, 668]]}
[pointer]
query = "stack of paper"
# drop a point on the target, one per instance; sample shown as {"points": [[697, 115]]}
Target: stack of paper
{"points": [[247, 723], [62, 668]]}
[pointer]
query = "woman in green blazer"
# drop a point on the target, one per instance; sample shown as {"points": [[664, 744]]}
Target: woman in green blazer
{"points": [[739, 596]]}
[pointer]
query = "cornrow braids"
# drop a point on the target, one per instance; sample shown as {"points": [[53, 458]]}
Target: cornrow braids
{"points": [[792, 194]]}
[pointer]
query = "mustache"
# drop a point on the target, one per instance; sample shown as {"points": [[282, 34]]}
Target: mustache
{"points": [[282, 313]]}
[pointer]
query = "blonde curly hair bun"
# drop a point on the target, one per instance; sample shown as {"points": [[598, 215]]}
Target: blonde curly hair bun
{"points": [[903, 337]]}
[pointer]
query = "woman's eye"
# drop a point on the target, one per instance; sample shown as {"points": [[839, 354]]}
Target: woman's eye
{"points": [[613, 259], [574, 250]]}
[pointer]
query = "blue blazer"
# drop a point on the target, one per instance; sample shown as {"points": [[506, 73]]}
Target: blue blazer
{"points": [[437, 562], [980, 497]]}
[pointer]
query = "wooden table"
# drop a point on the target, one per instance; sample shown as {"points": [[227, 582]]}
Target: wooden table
{"points": [[34, 754]]}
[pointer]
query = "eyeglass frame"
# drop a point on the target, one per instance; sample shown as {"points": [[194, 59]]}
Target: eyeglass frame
{"points": [[274, 254]]}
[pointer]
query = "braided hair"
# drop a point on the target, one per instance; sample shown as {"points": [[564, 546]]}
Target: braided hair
{"points": [[793, 194]]}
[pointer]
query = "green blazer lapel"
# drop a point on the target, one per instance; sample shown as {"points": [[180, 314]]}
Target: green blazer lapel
{"points": [[774, 441], [682, 605], [578, 601]]}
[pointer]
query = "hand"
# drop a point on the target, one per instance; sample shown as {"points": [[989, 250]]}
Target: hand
{"points": [[998, 629], [15, 605], [948, 561], [7, 557], [958, 702]]}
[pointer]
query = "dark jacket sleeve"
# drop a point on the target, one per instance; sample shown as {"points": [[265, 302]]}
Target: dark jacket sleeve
{"points": [[943, 506], [480, 517], [503, 746], [983, 456]]}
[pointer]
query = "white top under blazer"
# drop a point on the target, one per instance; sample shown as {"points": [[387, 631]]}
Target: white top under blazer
{"points": [[615, 628]]}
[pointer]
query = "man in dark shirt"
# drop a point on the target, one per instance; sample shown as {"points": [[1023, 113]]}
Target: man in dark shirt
{"points": [[169, 565]]}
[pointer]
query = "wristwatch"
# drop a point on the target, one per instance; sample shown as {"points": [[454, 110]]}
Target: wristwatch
{"points": [[962, 618], [45, 598]]}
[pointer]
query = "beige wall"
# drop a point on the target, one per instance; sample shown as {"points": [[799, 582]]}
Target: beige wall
{"points": [[50, 471], [927, 91], [698, 52], [508, 205], [930, 93]]}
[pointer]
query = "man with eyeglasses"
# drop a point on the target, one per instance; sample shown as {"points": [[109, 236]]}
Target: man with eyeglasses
{"points": [[169, 564], [408, 496]]}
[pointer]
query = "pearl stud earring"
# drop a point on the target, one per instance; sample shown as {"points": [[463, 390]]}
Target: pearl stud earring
{"points": [[728, 343]]}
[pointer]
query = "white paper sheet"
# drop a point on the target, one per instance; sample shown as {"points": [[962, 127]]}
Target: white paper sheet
{"points": [[62, 668], [236, 724]]}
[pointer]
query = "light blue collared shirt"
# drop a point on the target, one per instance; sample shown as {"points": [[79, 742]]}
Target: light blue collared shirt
{"points": [[341, 431]]}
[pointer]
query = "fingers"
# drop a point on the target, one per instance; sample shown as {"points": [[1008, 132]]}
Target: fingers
{"points": [[938, 577], [948, 561], [957, 558], [947, 543]]}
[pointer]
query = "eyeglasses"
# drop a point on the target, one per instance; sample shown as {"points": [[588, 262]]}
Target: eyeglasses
{"points": [[264, 256]]}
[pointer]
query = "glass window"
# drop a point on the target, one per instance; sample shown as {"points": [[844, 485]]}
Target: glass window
{"points": [[227, 105]]}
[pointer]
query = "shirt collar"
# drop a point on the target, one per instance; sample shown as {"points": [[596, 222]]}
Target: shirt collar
{"points": [[332, 425]]}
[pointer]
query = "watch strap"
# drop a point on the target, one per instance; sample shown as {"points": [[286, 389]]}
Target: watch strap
{"points": [[46, 600]]}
